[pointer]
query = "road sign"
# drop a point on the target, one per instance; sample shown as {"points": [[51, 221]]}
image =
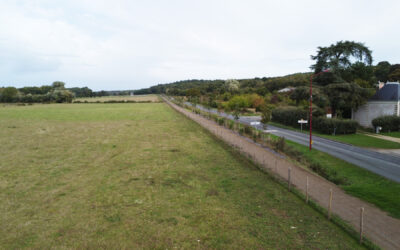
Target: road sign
{"points": [[254, 123], [302, 121]]}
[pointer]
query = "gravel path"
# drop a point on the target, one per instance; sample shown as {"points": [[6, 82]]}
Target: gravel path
{"points": [[382, 229]]}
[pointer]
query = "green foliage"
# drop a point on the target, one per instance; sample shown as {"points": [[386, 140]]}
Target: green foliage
{"points": [[337, 126], [232, 85], [382, 70], [389, 123], [339, 58], [279, 144], [288, 115], [9, 94], [395, 75], [238, 102], [346, 96], [58, 85], [248, 130], [328, 173], [265, 114]]}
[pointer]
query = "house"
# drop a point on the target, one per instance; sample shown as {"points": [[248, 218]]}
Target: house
{"points": [[284, 90], [386, 101]]}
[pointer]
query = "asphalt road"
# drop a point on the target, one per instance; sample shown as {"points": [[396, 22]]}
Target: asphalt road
{"points": [[379, 163]]}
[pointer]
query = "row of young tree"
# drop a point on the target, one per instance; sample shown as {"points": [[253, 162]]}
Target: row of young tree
{"points": [[44, 94], [344, 79]]}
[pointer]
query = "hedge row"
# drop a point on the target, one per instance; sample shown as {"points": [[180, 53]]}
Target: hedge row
{"points": [[337, 126], [290, 117], [389, 123]]}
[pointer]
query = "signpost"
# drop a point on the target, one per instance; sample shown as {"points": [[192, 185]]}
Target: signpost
{"points": [[301, 123]]}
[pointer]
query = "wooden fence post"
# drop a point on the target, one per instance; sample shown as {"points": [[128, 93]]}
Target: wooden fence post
{"points": [[361, 223], [307, 189], [289, 175], [330, 204]]}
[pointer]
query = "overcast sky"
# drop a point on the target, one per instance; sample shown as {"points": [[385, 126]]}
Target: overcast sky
{"points": [[134, 44]]}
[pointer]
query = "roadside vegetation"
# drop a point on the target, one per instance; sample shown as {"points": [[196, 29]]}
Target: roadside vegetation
{"points": [[354, 180], [392, 134], [359, 140], [140, 176], [343, 78]]}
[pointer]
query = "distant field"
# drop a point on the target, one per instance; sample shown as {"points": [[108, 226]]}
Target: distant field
{"points": [[140, 176], [136, 98]]}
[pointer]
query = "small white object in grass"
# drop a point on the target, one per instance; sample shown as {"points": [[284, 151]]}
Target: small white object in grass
{"points": [[292, 227], [138, 201]]}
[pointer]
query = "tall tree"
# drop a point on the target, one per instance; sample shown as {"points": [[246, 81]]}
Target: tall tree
{"points": [[346, 96], [340, 57], [382, 70]]}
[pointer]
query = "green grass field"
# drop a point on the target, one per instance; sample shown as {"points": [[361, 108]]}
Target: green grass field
{"points": [[359, 140], [140, 176]]}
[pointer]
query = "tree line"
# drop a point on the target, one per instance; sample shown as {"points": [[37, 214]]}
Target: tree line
{"points": [[56, 92], [344, 79]]}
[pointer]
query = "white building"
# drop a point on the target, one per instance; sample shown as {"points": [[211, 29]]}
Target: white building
{"points": [[284, 90], [386, 101]]}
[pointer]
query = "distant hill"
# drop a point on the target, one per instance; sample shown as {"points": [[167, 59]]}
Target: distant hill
{"points": [[253, 85]]}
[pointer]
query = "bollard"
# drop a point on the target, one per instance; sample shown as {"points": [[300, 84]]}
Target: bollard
{"points": [[307, 189], [361, 223], [289, 173], [330, 204]]}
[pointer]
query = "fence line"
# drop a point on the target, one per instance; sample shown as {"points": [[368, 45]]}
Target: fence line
{"points": [[378, 226]]}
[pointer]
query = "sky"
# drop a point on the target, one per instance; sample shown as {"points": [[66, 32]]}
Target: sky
{"points": [[121, 44]]}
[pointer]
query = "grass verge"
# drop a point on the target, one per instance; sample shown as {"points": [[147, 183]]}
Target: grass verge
{"points": [[359, 140], [356, 181]]}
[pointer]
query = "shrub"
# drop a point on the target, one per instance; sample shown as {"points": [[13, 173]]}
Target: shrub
{"points": [[221, 121], [328, 174], [328, 126], [231, 124], [241, 130], [388, 123], [248, 130], [288, 116], [279, 144]]}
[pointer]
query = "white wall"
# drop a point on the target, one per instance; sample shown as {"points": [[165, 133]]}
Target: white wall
{"points": [[369, 111]]}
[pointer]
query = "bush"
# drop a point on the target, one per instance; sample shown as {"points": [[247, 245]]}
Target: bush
{"points": [[248, 130], [328, 126], [328, 174], [279, 144], [288, 116], [231, 124], [221, 121], [389, 123]]}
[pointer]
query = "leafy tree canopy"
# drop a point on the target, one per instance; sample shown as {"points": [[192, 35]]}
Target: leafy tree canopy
{"points": [[340, 57]]}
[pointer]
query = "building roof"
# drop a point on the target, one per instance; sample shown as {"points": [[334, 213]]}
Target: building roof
{"points": [[286, 89], [389, 92]]}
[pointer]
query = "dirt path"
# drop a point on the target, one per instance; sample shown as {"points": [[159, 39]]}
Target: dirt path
{"points": [[384, 137], [382, 229]]}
